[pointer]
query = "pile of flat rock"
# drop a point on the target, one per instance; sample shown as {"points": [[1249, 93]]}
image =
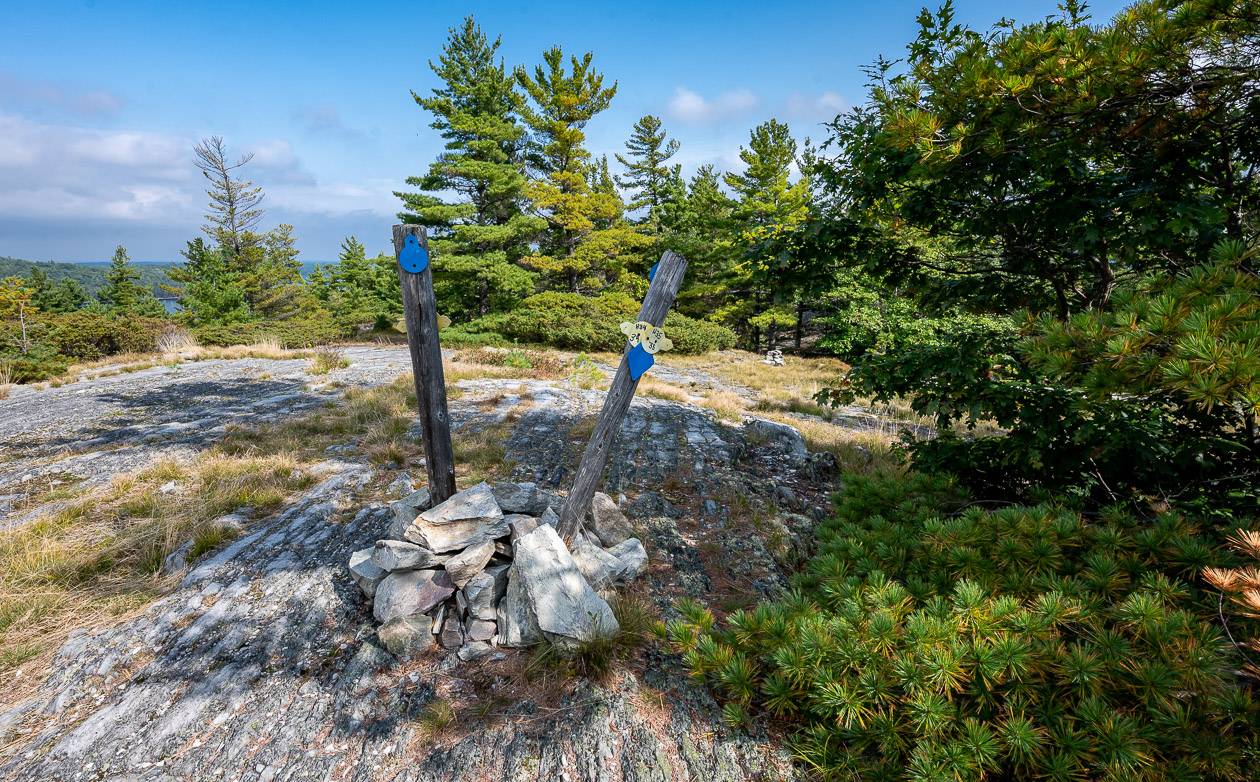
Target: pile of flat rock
{"points": [[487, 569]]}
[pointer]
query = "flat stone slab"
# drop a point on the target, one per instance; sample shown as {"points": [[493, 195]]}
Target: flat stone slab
{"points": [[410, 592], [607, 521], [367, 574], [561, 601], [463, 566], [391, 555], [469, 517], [475, 503]]}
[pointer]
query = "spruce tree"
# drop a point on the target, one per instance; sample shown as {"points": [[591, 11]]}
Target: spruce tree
{"points": [[478, 238], [648, 178], [123, 292], [770, 208], [65, 295], [587, 243], [697, 221]]}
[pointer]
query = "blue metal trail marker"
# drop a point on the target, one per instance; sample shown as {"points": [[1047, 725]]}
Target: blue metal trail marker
{"points": [[639, 361], [413, 258]]}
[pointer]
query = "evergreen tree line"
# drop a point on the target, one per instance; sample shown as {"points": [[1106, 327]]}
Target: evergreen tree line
{"points": [[534, 211]]}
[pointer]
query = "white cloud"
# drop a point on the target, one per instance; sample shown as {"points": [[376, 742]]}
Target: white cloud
{"points": [[689, 106], [824, 106], [66, 173], [79, 173]]}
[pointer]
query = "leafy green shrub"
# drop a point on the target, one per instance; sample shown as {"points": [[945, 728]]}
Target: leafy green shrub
{"points": [[293, 333], [1152, 398], [87, 335], [592, 323], [1022, 643], [40, 362]]}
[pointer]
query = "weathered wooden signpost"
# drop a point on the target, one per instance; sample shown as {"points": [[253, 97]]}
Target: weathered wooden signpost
{"points": [[645, 338], [411, 247]]}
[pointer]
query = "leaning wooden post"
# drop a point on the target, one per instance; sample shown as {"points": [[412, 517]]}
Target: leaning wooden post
{"points": [[420, 309], [660, 297]]}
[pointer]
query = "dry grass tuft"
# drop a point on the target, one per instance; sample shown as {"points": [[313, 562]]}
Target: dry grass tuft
{"points": [[326, 358], [176, 340], [6, 380]]}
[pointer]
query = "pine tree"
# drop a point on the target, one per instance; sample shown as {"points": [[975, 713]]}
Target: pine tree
{"points": [[235, 202], [648, 178], [123, 291], [697, 221], [359, 290], [209, 291], [770, 208], [478, 239], [65, 295], [587, 243]]}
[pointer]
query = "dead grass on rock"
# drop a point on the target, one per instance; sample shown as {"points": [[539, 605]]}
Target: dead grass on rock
{"points": [[101, 556]]}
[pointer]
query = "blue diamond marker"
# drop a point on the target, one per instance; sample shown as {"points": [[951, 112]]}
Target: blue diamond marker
{"points": [[652, 271], [413, 257], [640, 361]]}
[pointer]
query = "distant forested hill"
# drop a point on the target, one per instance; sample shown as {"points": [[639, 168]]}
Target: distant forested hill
{"points": [[90, 275]]}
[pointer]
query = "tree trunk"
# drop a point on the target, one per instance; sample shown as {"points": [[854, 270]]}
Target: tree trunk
{"points": [[800, 325]]}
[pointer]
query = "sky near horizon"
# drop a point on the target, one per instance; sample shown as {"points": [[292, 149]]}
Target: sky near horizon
{"points": [[102, 101]]}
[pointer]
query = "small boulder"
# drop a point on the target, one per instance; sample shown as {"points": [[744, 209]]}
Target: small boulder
{"points": [[468, 517], [484, 591], [391, 555], [366, 573], [523, 498], [479, 629], [475, 650], [560, 600], [407, 636], [401, 486], [607, 521], [548, 517], [788, 437], [632, 557], [597, 566], [406, 510], [409, 592], [520, 525], [469, 562]]}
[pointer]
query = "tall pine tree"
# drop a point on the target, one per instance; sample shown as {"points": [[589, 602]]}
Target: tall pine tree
{"points": [[587, 243], [769, 210], [477, 239], [650, 181]]}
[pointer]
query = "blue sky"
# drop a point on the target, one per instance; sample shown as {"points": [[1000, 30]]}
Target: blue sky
{"points": [[101, 102]]}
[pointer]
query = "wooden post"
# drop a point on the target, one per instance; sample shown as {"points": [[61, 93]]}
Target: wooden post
{"points": [[660, 297], [420, 309]]}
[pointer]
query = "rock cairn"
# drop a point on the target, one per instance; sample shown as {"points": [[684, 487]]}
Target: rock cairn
{"points": [[487, 569]]}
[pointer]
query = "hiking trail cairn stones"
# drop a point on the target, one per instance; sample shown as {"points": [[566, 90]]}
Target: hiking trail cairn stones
{"points": [[487, 569], [774, 358]]}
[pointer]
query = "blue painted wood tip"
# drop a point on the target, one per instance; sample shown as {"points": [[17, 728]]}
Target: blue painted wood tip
{"points": [[639, 361], [652, 271], [413, 257]]}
